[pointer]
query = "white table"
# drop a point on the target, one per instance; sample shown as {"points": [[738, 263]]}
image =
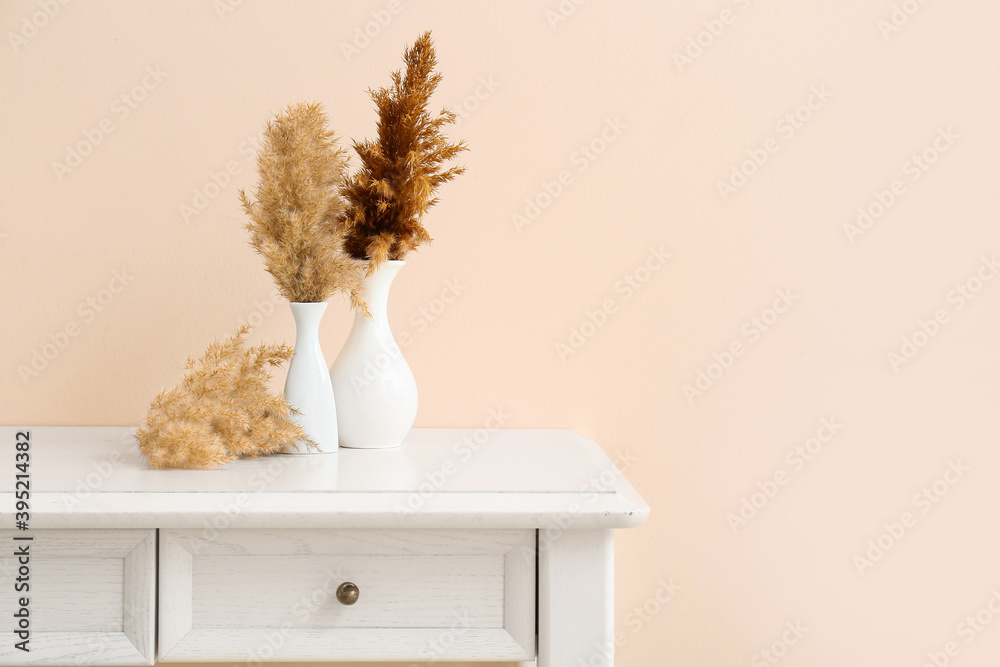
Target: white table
{"points": [[455, 541]]}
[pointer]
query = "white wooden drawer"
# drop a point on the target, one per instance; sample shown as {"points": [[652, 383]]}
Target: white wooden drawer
{"points": [[91, 597], [253, 595]]}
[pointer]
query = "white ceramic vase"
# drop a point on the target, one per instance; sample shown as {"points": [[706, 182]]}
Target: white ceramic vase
{"points": [[307, 388], [375, 389]]}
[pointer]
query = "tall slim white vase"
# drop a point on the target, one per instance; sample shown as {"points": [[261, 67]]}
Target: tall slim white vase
{"points": [[375, 389], [307, 388]]}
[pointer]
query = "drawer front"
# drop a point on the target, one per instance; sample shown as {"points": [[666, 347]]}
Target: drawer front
{"points": [[258, 595], [90, 597]]}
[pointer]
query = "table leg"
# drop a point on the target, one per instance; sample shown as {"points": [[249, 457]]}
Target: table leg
{"points": [[576, 599]]}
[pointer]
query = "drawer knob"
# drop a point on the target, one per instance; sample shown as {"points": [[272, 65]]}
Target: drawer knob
{"points": [[348, 593]]}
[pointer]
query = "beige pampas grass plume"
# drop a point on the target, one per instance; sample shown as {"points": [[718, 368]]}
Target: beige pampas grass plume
{"points": [[221, 410], [296, 214]]}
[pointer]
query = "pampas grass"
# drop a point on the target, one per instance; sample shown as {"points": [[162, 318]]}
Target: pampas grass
{"points": [[221, 410], [296, 216], [400, 172]]}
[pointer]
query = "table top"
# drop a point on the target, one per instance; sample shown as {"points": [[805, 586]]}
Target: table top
{"points": [[95, 477]]}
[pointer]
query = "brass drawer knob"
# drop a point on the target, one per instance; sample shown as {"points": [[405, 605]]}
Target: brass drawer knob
{"points": [[348, 593]]}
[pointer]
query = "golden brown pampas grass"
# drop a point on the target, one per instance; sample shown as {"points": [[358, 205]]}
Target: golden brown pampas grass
{"points": [[221, 410], [297, 215], [400, 172]]}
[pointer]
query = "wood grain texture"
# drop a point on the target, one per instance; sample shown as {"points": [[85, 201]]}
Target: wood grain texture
{"points": [[85, 461], [439, 534], [59, 584], [343, 510], [139, 595], [519, 592], [350, 644], [424, 595], [108, 543], [279, 542], [90, 600], [576, 599], [94, 477], [75, 648], [173, 594], [396, 591]]}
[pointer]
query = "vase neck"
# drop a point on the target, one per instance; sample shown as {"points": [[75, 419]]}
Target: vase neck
{"points": [[376, 288], [307, 318]]}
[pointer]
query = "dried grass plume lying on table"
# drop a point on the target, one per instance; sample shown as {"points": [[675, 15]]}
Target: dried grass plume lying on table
{"points": [[296, 215], [221, 410], [400, 172]]}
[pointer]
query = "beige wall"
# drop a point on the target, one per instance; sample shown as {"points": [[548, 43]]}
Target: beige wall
{"points": [[534, 92]]}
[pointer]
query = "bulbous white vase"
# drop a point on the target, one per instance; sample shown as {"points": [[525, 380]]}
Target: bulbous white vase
{"points": [[307, 387], [375, 389]]}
